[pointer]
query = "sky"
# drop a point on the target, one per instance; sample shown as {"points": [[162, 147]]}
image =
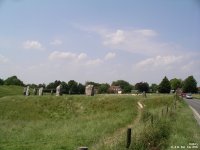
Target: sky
{"points": [[99, 40]]}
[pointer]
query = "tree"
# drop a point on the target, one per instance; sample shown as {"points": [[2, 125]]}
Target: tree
{"points": [[175, 83], [1, 81], [42, 85], [164, 86], [51, 85], [127, 89], [142, 86], [65, 88], [103, 88], [96, 85], [81, 89], [73, 87], [190, 85], [125, 86], [13, 80], [54, 84], [154, 87]]}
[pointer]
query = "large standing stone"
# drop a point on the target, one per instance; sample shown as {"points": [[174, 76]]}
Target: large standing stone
{"points": [[27, 91], [24, 92], [58, 90], [89, 90], [41, 91], [34, 91], [51, 91]]}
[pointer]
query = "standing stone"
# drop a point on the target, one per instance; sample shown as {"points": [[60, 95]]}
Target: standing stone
{"points": [[83, 148], [89, 90], [58, 90], [144, 94], [51, 91], [34, 91], [27, 91], [24, 92], [41, 91]]}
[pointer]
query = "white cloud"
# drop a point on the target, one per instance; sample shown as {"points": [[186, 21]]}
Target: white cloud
{"points": [[94, 62], [110, 55], [159, 61], [33, 45], [82, 56], [80, 59], [56, 55], [56, 42], [3, 59], [137, 41], [172, 66], [191, 67], [146, 32], [114, 38]]}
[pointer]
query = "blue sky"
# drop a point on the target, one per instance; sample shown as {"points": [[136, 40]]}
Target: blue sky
{"points": [[100, 41]]}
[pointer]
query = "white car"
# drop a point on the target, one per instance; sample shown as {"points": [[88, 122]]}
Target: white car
{"points": [[188, 96]]}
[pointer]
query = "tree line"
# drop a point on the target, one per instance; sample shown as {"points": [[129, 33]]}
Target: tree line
{"points": [[189, 85]]}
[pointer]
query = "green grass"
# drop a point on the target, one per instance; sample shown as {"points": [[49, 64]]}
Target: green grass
{"points": [[180, 128], [185, 128], [70, 121], [66, 122], [175, 127], [10, 90], [197, 96]]}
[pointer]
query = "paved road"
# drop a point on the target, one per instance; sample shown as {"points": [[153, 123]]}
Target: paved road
{"points": [[195, 104]]}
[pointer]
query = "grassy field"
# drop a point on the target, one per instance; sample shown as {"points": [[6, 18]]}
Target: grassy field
{"points": [[177, 126], [99, 122], [10, 90], [162, 126], [197, 96], [66, 122]]}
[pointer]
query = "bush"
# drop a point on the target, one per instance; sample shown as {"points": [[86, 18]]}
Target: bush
{"points": [[153, 136]]}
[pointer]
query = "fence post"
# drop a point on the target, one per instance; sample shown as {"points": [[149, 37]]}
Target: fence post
{"points": [[128, 137], [83, 148], [175, 104]]}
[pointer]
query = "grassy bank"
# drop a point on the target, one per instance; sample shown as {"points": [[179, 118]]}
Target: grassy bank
{"points": [[99, 122], [162, 126], [10, 90], [197, 96], [65, 122], [174, 125], [185, 129]]}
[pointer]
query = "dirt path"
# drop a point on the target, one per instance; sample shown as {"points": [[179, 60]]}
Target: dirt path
{"points": [[118, 135]]}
